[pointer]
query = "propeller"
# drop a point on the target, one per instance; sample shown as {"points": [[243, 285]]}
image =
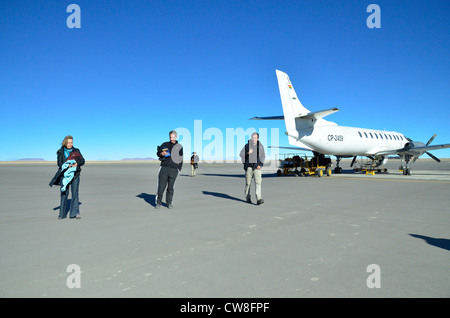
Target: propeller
{"points": [[429, 154], [432, 156], [431, 139], [429, 142]]}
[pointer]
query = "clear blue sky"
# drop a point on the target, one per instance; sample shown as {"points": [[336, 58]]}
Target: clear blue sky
{"points": [[137, 69]]}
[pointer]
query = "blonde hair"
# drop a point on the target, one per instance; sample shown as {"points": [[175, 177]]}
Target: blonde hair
{"points": [[64, 142]]}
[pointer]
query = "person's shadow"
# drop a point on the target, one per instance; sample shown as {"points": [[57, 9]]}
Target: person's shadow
{"points": [[222, 195], [69, 202], [438, 242], [148, 198]]}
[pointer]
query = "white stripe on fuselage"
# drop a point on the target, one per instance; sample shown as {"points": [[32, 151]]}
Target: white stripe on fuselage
{"points": [[348, 141]]}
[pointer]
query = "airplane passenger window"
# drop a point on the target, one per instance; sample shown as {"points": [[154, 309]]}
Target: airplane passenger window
{"points": [[376, 135], [366, 134], [381, 136], [385, 136], [390, 137], [371, 136], [401, 137], [359, 134]]}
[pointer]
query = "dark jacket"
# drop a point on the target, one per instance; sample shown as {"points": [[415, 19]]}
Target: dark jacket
{"points": [[194, 161], [175, 160], [256, 158], [61, 158]]}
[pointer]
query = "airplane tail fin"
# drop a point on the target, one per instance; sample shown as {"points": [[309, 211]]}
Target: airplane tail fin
{"points": [[296, 116], [292, 107]]}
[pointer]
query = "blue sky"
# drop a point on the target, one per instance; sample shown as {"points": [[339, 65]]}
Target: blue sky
{"points": [[137, 69]]}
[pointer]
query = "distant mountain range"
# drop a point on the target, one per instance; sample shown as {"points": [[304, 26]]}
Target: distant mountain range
{"points": [[139, 159], [30, 159]]}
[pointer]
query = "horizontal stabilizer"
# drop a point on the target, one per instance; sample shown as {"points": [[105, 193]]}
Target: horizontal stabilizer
{"points": [[319, 114], [314, 115], [268, 118]]}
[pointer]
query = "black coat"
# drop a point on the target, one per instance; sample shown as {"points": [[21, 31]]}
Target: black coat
{"points": [[256, 158], [176, 155], [60, 160]]}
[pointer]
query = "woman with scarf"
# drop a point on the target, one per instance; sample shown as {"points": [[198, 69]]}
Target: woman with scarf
{"points": [[65, 154]]}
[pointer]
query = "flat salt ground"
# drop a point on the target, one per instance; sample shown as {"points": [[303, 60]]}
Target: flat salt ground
{"points": [[313, 237]]}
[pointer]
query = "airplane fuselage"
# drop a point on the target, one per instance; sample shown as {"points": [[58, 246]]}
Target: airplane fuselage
{"points": [[347, 141]]}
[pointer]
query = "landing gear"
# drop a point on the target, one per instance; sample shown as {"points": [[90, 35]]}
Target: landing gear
{"points": [[338, 169], [405, 166]]}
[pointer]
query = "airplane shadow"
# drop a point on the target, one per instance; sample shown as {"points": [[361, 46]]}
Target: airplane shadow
{"points": [[148, 198], [438, 242], [222, 195]]}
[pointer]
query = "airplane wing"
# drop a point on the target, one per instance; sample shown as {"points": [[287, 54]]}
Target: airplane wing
{"points": [[292, 148], [413, 150]]}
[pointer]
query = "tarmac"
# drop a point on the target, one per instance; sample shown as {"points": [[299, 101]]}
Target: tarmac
{"points": [[350, 235]]}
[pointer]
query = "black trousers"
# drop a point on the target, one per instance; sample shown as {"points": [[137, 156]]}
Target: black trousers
{"points": [[166, 178]]}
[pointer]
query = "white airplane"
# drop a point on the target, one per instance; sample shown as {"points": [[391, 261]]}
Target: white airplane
{"points": [[308, 131]]}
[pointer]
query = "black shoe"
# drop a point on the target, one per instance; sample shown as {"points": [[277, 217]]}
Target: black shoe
{"points": [[249, 200], [258, 202]]}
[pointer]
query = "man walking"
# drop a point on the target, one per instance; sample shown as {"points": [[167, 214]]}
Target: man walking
{"points": [[194, 164], [171, 156], [253, 157]]}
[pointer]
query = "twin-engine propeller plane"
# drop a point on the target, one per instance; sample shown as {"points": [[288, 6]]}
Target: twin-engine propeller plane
{"points": [[308, 131]]}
